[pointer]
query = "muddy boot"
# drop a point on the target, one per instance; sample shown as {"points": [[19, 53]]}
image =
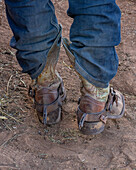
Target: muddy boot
{"points": [[91, 105], [48, 90], [96, 105]]}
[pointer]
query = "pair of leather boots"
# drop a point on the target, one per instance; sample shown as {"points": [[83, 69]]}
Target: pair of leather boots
{"points": [[95, 106]]}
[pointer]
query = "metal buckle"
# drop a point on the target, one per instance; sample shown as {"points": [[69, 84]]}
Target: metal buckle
{"points": [[103, 119]]}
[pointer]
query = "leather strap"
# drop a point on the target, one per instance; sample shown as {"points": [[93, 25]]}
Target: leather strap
{"points": [[106, 113]]}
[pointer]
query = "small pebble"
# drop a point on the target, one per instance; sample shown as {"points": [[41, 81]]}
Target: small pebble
{"points": [[39, 132]]}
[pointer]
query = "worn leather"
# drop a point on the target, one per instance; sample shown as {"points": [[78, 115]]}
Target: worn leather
{"points": [[92, 115], [48, 90]]}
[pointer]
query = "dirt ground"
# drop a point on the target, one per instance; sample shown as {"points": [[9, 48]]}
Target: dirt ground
{"points": [[27, 144]]}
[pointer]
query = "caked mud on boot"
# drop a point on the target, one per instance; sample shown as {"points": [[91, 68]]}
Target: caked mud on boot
{"points": [[48, 89], [96, 105]]}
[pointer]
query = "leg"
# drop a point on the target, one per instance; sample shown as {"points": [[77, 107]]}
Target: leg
{"points": [[94, 33], [35, 28], [37, 38]]}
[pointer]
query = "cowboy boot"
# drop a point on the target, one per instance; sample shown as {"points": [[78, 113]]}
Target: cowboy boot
{"points": [[96, 105], [48, 90], [91, 105]]}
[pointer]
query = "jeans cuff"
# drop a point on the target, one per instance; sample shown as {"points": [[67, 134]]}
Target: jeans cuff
{"points": [[88, 77], [42, 66], [38, 72]]}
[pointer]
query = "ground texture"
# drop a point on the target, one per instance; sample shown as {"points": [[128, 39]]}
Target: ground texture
{"points": [[26, 144]]}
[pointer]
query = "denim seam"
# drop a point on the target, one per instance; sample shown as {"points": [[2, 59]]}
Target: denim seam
{"points": [[116, 58], [52, 22]]}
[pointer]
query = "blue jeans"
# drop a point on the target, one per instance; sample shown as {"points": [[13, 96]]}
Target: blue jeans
{"points": [[94, 34]]}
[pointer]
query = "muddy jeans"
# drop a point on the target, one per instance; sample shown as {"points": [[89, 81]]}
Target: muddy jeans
{"points": [[94, 34]]}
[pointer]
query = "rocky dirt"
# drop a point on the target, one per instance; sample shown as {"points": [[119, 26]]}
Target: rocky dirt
{"points": [[27, 144]]}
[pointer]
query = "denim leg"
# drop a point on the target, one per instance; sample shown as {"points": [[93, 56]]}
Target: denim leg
{"points": [[94, 34], [35, 28]]}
